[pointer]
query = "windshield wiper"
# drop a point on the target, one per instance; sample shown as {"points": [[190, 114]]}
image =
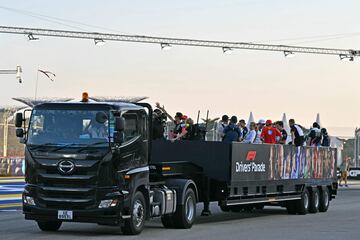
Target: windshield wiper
{"points": [[65, 146], [42, 145], [91, 145]]}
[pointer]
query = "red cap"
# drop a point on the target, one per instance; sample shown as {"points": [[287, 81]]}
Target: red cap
{"points": [[184, 117], [268, 122]]}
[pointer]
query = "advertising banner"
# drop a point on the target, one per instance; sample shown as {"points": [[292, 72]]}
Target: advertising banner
{"points": [[276, 162]]}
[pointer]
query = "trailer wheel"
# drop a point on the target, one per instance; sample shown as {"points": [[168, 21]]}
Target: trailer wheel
{"points": [[303, 203], [167, 221], [291, 207], [135, 224], [324, 200], [49, 226], [184, 216], [314, 201]]}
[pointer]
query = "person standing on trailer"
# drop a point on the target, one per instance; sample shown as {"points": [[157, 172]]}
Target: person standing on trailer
{"points": [[297, 134], [269, 133], [315, 135], [232, 132], [325, 138], [284, 135], [244, 129], [251, 135], [221, 126], [259, 128]]}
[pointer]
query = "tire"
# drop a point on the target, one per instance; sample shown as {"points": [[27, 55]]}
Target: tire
{"points": [[314, 201], [49, 226], [324, 200], [185, 215], [135, 224], [259, 207], [237, 208], [167, 221], [225, 208], [291, 207], [302, 205]]}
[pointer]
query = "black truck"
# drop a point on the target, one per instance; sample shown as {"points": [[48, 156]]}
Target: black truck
{"points": [[96, 162]]}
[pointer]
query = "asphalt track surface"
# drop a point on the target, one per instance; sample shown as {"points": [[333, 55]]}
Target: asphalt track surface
{"points": [[340, 222]]}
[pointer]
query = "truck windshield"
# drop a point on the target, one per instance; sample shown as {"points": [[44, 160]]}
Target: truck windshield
{"points": [[69, 127]]}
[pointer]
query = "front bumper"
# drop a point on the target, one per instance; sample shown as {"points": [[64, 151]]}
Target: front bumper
{"points": [[111, 216]]}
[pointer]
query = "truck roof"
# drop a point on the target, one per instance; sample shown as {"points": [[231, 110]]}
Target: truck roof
{"points": [[90, 104]]}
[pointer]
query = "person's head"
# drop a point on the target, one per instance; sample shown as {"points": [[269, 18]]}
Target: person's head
{"points": [[252, 126], [178, 117], [316, 125], [233, 119], [225, 118], [242, 123], [280, 125], [261, 124], [291, 122], [324, 131], [189, 121], [268, 123]]}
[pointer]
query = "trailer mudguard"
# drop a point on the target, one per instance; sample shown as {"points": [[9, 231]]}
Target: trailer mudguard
{"points": [[180, 185]]}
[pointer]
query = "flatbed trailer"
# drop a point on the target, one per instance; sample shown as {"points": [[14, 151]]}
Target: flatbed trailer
{"points": [[251, 175]]}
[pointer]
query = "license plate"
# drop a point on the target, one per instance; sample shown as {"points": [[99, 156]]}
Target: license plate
{"points": [[65, 215]]}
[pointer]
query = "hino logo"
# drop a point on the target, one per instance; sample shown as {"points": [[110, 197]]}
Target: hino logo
{"points": [[66, 167]]}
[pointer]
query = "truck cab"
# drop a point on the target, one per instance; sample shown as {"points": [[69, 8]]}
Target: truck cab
{"points": [[88, 162]]}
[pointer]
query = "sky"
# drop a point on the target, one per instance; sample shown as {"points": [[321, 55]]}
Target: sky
{"points": [[189, 79]]}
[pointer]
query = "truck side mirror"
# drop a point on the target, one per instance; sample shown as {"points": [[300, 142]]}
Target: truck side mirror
{"points": [[20, 132], [119, 124], [18, 120]]}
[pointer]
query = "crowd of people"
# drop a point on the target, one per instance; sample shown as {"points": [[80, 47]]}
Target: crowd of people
{"points": [[231, 130]]}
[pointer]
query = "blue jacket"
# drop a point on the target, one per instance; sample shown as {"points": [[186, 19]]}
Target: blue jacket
{"points": [[232, 133]]}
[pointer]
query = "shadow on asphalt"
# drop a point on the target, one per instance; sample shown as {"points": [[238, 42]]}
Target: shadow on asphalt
{"points": [[79, 229]]}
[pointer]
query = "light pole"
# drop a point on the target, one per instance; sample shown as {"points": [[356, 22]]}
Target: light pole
{"points": [[17, 71], [48, 74]]}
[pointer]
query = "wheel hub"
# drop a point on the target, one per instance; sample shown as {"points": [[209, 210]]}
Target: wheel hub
{"points": [[138, 213], [189, 209]]}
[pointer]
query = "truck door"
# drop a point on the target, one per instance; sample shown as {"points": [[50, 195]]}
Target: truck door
{"points": [[133, 150]]}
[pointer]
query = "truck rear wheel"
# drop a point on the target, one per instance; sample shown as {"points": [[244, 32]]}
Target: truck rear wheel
{"points": [[303, 204], [291, 207], [49, 226], [324, 200], [314, 201], [135, 224], [167, 221], [184, 216], [225, 208]]}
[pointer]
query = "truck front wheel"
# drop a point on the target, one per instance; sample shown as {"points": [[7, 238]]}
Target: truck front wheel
{"points": [[135, 224], [184, 216], [49, 226]]}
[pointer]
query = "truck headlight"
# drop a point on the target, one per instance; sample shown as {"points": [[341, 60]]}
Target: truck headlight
{"points": [[29, 200], [108, 203]]}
